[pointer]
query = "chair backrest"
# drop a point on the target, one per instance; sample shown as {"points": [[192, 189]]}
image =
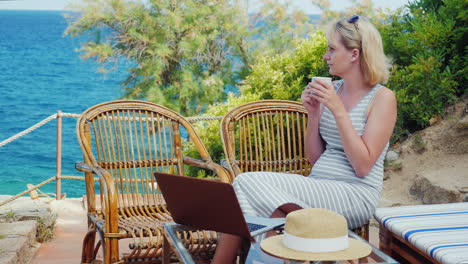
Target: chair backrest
{"points": [[266, 135], [131, 140]]}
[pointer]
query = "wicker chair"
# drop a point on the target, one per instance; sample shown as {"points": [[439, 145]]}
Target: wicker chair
{"points": [[268, 135], [124, 143]]}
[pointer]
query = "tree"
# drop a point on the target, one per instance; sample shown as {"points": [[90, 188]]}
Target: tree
{"points": [[180, 49], [187, 52]]}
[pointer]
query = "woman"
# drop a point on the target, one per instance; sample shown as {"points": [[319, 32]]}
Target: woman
{"points": [[349, 126]]}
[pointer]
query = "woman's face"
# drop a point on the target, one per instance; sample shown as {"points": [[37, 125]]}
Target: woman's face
{"points": [[338, 57]]}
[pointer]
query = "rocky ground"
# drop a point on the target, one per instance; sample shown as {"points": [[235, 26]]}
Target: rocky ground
{"points": [[432, 165], [24, 223]]}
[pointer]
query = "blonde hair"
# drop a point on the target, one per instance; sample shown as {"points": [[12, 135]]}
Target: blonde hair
{"points": [[362, 35]]}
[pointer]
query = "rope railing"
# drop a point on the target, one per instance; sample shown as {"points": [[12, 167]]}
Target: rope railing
{"points": [[35, 187], [193, 119], [58, 176], [27, 131]]}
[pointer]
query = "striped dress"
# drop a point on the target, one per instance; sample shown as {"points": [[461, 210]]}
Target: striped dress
{"points": [[332, 183]]}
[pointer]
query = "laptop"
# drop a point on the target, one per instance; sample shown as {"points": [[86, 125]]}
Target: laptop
{"points": [[210, 205]]}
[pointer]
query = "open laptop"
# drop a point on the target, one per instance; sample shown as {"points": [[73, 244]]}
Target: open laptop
{"points": [[211, 205]]}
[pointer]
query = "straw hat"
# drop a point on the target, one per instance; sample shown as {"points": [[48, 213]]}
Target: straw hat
{"points": [[317, 235]]}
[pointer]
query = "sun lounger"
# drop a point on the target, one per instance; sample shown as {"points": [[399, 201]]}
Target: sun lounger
{"points": [[435, 233]]}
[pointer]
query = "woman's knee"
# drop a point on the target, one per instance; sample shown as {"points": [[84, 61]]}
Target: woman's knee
{"points": [[289, 207], [245, 177]]}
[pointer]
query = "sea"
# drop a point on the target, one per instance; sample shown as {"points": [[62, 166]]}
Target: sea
{"points": [[41, 72]]}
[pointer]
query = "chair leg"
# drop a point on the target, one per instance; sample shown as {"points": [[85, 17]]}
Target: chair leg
{"points": [[111, 250], [166, 251], [96, 249], [87, 252], [365, 232]]}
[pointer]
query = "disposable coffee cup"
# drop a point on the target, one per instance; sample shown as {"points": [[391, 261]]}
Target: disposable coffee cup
{"points": [[326, 79]]}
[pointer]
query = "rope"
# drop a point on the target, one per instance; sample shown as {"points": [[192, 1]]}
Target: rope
{"points": [[70, 115], [42, 184], [194, 119], [27, 131], [75, 178], [27, 191]]}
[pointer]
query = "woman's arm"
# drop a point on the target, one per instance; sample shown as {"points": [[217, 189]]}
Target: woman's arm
{"points": [[314, 145], [363, 152], [313, 141]]}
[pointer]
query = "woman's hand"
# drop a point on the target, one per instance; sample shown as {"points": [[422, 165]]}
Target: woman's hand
{"points": [[310, 103], [324, 93]]}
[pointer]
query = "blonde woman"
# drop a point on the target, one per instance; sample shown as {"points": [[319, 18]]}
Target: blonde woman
{"points": [[349, 127]]}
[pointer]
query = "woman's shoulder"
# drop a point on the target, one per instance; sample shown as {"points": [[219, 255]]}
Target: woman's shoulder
{"points": [[384, 94], [384, 97], [384, 101]]}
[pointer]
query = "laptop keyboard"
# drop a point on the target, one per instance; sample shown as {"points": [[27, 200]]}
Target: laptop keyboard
{"points": [[254, 227]]}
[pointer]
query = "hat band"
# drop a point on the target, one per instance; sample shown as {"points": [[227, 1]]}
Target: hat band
{"points": [[316, 245]]}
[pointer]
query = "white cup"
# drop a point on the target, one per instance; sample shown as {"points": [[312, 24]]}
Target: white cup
{"points": [[326, 79]]}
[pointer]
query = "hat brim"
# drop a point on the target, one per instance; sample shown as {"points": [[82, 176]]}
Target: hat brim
{"points": [[275, 247]]}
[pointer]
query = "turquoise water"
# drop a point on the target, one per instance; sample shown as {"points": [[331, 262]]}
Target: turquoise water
{"points": [[40, 73]]}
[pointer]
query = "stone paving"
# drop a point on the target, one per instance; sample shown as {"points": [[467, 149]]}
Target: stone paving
{"points": [[19, 223], [18, 243]]}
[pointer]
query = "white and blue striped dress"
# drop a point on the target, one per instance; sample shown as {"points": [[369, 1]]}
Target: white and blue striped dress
{"points": [[332, 184]]}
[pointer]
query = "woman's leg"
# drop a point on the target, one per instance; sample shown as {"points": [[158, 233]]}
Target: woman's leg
{"points": [[228, 245], [282, 211], [226, 250]]}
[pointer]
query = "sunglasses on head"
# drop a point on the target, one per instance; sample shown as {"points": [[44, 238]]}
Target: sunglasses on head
{"points": [[353, 20]]}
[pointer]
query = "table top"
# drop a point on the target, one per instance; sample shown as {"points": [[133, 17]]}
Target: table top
{"points": [[257, 256]]}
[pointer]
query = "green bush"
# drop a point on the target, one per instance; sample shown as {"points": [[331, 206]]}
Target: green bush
{"points": [[422, 91], [284, 76], [427, 41]]}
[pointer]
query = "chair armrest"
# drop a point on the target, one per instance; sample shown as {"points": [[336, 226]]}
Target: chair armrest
{"points": [[83, 167], [222, 173], [108, 188]]}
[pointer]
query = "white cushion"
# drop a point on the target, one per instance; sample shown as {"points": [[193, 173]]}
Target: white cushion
{"points": [[439, 230]]}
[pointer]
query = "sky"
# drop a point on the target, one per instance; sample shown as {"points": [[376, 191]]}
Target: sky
{"points": [[303, 4]]}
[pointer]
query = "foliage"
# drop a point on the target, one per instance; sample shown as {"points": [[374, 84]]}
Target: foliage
{"points": [[427, 42], [284, 76], [422, 91], [357, 7], [180, 48], [275, 28], [45, 228]]}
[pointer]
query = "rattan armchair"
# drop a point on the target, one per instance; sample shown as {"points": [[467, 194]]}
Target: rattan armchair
{"points": [[123, 144], [268, 135], [265, 135]]}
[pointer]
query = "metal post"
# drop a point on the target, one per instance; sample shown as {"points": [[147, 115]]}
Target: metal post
{"points": [[58, 182]]}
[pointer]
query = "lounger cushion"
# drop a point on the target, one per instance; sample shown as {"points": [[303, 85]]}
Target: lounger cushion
{"points": [[439, 230]]}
